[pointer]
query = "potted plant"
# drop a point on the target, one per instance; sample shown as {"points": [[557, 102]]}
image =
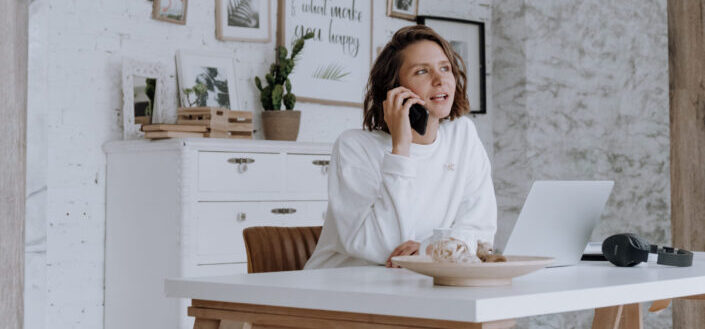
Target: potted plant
{"points": [[277, 124]]}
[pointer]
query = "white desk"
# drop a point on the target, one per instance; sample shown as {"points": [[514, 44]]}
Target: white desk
{"points": [[401, 293]]}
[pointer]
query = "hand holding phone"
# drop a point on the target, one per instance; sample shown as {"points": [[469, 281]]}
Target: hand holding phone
{"points": [[399, 113], [418, 118]]}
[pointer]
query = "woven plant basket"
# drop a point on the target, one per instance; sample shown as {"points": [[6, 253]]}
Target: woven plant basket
{"points": [[281, 125]]}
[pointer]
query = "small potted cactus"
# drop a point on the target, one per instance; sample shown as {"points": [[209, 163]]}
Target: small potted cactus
{"points": [[277, 124]]}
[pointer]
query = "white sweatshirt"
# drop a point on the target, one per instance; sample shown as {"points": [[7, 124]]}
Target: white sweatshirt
{"points": [[378, 200]]}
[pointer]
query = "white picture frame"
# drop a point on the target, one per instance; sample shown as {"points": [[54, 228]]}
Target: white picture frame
{"points": [[468, 40], [243, 20], [196, 65], [132, 68], [340, 68]]}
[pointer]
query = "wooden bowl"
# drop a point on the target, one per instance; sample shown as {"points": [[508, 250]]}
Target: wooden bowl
{"points": [[473, 274]]}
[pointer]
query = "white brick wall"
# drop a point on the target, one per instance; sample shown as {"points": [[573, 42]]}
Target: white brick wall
{"points": [[76, 48]]}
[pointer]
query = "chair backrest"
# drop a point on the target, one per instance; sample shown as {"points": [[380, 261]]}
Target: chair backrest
{"points": [[274, 249]]}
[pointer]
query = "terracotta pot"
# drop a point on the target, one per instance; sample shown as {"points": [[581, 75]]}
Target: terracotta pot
{"points": [[281, 125]]}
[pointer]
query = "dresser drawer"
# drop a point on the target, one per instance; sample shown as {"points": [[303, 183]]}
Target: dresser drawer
{"points": [[307, 173], [240, 172], [220, 224]]}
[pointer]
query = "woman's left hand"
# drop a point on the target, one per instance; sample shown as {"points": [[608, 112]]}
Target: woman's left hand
{"points": [[407, 248]]}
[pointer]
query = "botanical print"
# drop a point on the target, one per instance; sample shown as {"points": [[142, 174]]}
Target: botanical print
{"points": [[337, 59], [331, 71], [244, 13], [216, 91]]}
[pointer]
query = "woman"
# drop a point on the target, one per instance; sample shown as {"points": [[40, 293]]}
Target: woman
{"points": [[389, 187]]}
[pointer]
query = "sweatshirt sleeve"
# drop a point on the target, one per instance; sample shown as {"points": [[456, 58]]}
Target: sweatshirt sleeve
{"points": [[370, 203], [477, 213]]}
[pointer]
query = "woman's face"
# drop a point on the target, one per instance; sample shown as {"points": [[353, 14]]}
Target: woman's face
{"points": [[426, 70]]}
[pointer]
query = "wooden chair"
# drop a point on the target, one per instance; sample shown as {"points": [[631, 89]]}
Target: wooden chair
{"points": [[274, 249]]}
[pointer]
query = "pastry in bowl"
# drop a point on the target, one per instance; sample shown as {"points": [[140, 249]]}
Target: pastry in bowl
{"points": [[451, 250]]}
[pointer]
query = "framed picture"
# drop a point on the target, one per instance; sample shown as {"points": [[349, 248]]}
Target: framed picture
{"points": [[206, 79], [173, 11], [333, 67], [468, 40], [407, 9], [143, 95], [243, 20]]}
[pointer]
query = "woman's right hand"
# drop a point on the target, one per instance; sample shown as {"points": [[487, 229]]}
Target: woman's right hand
{"points": [[396, 115]]}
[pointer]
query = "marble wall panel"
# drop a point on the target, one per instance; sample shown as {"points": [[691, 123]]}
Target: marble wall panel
{"points": [[581, 92]]}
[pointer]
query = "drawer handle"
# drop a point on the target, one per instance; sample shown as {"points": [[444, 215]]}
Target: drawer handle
{"points": [[241, 160], [324, 165], [283, 211], [241, 163], [241, 216]]}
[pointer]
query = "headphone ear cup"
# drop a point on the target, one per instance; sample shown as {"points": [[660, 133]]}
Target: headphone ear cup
{"points": [[619, 249], [638, 242]]}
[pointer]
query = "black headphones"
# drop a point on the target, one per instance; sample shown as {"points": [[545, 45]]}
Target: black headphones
{"points": [[628, 249]]}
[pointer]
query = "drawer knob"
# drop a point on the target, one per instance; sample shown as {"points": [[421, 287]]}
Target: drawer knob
{"points": [[241, 163], [283, 211], [241, 216]]}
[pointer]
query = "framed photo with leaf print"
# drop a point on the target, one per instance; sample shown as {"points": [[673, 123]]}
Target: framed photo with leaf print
{"points": [[243, 20], [206, 79], [468, 40], [334, 66]]}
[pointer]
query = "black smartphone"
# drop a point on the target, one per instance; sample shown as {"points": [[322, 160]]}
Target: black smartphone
{"points": [[418, 117]]}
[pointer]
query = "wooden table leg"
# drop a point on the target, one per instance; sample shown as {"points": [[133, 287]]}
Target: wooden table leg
{"points": [[618, 317], [607, 317], [631, 317]]}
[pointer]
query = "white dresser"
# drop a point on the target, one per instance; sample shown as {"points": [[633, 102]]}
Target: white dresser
{"points": [[177, 208]]}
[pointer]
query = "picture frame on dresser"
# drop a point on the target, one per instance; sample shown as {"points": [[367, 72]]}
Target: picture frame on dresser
{"points": [[243, 20], [338, 58], [143, 95], [468, 40], [172, 11], [207, 79]]}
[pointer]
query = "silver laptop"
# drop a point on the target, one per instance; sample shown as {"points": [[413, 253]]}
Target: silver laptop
{"points": [[557, 220]]}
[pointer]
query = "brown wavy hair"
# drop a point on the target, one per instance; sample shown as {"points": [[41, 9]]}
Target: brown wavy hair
{"points": [[385, 75]]}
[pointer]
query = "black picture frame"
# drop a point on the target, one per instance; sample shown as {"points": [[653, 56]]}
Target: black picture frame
{"points": [[480, 75]]}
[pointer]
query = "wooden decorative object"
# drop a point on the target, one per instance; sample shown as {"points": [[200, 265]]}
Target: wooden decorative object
{"points": [[174, 127], [170, 134], [221, 123], [159, 131]]}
